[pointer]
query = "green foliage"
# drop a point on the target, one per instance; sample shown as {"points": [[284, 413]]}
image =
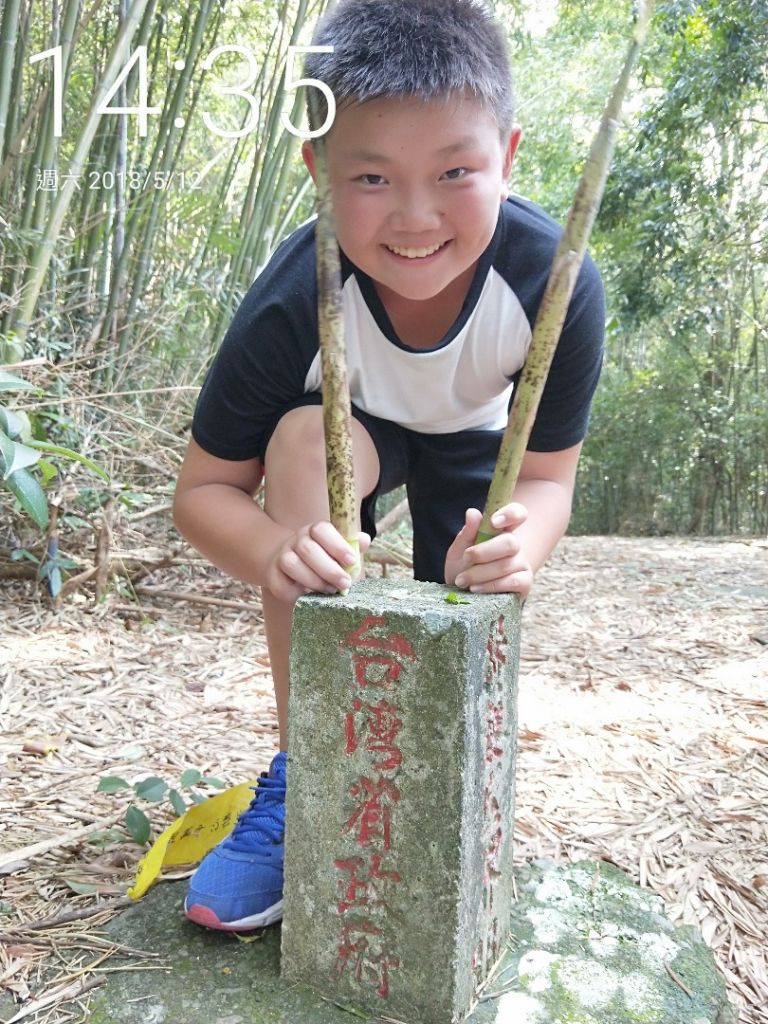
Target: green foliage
{"points": [[153, 789], [25, 474], [16, 456], [679, 435]]}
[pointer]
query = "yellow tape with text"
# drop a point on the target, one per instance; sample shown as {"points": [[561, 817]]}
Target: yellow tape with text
{"points": [[192, 835]]}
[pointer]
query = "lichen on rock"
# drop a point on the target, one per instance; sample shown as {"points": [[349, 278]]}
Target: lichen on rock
{"points": [[591, 947]]}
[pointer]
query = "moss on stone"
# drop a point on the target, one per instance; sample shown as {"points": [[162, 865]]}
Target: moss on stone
{"points": [[591, 920], [211, 977]]}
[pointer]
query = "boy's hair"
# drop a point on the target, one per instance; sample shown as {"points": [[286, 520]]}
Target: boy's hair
{"points": [[429, 49]]}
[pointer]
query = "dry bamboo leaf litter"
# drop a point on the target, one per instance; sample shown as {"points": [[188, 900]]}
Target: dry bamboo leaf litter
{"points": [[643, 738]]}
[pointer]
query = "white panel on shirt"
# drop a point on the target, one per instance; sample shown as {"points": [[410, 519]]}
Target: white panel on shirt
{"points": [[464, 385]]}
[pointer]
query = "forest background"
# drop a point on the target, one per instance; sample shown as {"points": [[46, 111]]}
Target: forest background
{"points": [[123, 255]]}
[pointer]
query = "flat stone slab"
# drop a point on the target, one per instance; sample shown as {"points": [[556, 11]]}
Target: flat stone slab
{"points": [[590, 948]]}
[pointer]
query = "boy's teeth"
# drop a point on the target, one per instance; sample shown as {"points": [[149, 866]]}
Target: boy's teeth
{"points": [[414, 254]]}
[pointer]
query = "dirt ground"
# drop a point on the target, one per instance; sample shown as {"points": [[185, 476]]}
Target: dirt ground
{"points": [[643, 741]]}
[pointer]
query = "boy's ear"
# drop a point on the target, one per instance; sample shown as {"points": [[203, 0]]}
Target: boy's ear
{"points": [[509, 157], [308, 156]]}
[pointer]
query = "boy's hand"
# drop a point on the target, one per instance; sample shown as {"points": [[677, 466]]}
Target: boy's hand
{"points": [[498, 565], [311, 560]]}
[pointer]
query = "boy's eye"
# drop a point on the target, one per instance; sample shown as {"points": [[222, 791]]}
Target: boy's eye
{"points": [[455, 173], [371, 179]]}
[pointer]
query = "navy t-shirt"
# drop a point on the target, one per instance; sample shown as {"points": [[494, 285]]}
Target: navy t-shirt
{"points": [[270, 355]]}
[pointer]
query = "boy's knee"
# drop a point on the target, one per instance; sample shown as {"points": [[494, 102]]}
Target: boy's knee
{"points": [[298, 440]]}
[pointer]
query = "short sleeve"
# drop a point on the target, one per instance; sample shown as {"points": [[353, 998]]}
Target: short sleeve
{"points": [[563, 415], [263, 361]]}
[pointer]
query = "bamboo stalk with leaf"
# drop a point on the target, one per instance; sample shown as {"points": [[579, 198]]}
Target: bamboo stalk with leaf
{"points": [[559, 289]]}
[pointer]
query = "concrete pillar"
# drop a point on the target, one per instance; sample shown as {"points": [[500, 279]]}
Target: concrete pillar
{"points": [[400, 800]]}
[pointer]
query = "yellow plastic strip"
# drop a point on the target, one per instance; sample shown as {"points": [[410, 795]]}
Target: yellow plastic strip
{"points": [[192, 835]]}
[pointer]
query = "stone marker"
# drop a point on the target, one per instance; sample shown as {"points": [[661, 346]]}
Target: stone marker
{"points": [[402, 732]]}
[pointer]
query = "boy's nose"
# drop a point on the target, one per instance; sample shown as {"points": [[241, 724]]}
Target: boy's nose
{"points": [[416, 210]]}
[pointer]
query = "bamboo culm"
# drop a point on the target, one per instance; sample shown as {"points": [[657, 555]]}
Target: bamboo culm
{"points": [[559, 289], [337, 414]]}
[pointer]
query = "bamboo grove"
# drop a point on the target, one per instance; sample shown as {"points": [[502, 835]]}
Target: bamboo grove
{"points": [[124, 255], [130, 223]]}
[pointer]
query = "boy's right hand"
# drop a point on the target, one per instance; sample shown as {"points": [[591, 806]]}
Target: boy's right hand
{"points": [[313, 559]]}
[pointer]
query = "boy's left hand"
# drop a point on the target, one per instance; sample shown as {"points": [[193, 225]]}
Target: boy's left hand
{"points": [[498, 565]]}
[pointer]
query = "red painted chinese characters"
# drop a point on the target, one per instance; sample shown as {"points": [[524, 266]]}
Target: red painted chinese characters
{"points": [[372, 723], [496, 713]]}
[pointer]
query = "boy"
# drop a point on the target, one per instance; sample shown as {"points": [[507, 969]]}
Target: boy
{"points": [[443, 274]]}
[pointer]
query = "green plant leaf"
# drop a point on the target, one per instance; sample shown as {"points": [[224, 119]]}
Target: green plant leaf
{"points": [[177, 802], [30, 496], [24, 456], [47, 471], [57, 449], [198, 798], [190, 777], [9, 382], [14, 456], [211, 780], [13, 424], [103, 839], [45, 569], [112, 784], [81, 888], [54, 582], [137, 824], [151, 788], [19, 553]]}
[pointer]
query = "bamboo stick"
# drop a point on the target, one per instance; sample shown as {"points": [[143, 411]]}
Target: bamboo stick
{"points": [[8, 29], [165, 157], [557, 295], [337, 410]]}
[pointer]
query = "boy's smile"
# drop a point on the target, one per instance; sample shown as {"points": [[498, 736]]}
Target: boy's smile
{"points": [[416, 189]]}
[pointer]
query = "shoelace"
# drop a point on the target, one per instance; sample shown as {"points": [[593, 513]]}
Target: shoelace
{"points": [[262, 823]]}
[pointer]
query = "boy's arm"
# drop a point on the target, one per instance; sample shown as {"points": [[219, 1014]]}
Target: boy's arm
{"points": [[531, 526], [214, 509]]}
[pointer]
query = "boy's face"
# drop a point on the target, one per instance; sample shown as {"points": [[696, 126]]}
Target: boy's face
{"points": [[416, 189]]}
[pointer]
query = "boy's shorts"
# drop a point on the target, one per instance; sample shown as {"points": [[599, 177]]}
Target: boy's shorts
{"points": [[444, 475]]}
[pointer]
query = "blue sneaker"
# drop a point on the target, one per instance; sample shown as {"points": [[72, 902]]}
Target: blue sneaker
{"points": [[239, 884]]}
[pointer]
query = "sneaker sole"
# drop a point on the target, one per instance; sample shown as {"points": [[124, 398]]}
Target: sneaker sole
{"points": [[207, 918]]}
